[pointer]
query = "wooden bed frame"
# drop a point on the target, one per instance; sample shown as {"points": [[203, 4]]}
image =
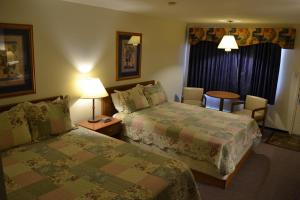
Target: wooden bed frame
{"points": [[107, 108], [9, 106], [204, 178]]}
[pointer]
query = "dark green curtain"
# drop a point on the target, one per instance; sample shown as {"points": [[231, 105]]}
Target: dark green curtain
{"points": [[250, 70]]}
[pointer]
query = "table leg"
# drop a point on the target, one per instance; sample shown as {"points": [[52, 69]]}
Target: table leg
{"points": [[221, 104]]}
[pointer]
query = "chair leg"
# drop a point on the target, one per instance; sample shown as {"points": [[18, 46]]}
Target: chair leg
{"points": [[263, 126]]}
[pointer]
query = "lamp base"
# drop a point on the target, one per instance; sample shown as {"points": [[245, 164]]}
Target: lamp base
{"points": [[93, 120]]}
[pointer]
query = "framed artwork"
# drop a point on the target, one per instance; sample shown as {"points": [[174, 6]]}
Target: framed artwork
{"points": [[16, 60], [128, 62]]}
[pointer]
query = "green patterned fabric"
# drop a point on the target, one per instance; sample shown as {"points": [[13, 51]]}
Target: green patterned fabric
{"points": [[83, 164], [155, 94], [133, 99], [48, 118], [14, 129], [284, 37], [202, 134]]}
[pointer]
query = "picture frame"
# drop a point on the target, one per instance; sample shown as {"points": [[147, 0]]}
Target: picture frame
{"points": [[128, 55], [17, 76]]}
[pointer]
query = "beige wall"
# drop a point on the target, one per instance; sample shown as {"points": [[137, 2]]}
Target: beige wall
{"points": [[68, 36], [281, 114]]}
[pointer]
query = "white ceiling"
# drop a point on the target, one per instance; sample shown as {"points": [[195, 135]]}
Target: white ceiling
{"points": [[209, 11]]}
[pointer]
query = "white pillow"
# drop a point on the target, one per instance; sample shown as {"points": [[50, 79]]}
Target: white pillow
{"points": [[116, 101]]}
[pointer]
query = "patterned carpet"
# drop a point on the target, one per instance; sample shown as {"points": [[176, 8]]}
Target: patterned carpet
{"points": [[284, 140]]}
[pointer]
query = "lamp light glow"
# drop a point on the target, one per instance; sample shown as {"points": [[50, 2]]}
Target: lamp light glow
{"points": [[93, 89], [85, 68]]}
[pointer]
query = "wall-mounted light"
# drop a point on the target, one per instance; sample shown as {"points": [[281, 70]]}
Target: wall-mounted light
{"points": [[134, 40], [11, 58]]}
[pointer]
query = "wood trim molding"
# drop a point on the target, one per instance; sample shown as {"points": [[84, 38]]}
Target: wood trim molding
{"points": [[9, 106], [204, 178]]}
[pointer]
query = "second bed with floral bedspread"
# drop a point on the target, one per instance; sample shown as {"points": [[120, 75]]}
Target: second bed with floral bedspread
{"points": [[201, 134]]}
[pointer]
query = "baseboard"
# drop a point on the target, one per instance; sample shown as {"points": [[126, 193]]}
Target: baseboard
{"points": [[275, 129]]}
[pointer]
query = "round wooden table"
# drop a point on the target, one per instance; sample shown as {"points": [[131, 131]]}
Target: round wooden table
{"points": [[222, 95]]}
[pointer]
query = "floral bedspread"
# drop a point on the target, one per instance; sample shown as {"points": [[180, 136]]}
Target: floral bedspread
{"points": [[83, 164], [206, 135]]}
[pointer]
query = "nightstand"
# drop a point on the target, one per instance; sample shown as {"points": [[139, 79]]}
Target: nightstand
{"points": [[112, 128]]}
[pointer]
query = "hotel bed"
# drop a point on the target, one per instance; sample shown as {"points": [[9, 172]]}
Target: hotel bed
{"points": [[82, 164], [213, 144]]}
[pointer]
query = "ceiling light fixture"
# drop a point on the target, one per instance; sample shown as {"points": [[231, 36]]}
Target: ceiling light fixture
{"points": [[228, 42]]}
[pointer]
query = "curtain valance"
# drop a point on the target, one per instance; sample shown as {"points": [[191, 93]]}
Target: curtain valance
{"points": [[284, 37]]}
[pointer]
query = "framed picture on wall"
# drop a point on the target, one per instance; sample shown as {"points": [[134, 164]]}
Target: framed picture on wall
{"points": [[128, 61], [16, 60]]}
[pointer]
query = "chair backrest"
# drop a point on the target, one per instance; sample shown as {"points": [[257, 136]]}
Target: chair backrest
{"points": [[192, 95], [253, 102]]}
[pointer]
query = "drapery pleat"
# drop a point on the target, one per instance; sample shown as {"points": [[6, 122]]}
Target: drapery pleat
{"points": [[249, 70], [212, 69], [265, 71]]}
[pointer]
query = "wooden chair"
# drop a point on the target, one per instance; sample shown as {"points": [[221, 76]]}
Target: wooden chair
{"points": [[255, 107], [193, 96]]}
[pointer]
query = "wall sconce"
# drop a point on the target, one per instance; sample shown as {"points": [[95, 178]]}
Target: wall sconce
{"points": [[134, 40], [11, 58]]}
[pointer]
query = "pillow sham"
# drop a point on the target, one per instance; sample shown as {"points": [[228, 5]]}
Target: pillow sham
{"points": [[155, 94], [48, 118], [116, 101], [14, 128], [132, 99]]}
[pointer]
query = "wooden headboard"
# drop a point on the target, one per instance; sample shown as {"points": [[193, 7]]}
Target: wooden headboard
{"points": [[9, 106], [107, 106]]}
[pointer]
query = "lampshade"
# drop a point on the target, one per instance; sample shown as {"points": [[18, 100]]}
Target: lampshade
{"points": [[11, 58], [228, 42], [134, 40], [92, 88]]}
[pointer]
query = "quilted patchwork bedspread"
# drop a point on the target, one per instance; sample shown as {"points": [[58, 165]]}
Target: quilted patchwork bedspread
{"points": [[83, 164], [206, 135]]}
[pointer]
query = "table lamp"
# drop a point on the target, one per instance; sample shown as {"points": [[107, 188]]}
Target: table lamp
{"points": [[93, 89]]}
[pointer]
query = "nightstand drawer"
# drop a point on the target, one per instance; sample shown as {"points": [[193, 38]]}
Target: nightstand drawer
{"points": [[112, 130]]}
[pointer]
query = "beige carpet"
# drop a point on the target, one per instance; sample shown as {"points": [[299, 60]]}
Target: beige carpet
{"points": [[271, 173]]}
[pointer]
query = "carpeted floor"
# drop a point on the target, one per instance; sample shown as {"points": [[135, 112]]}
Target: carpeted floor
{"points": [[271, 173]]}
